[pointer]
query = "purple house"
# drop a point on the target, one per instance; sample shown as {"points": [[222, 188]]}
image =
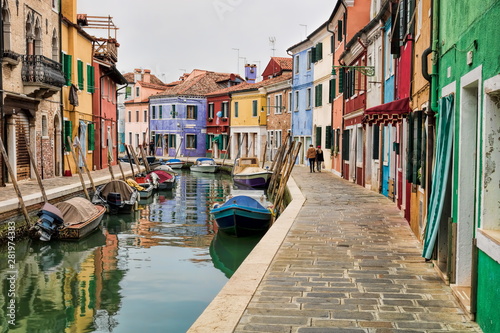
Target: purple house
{"points": [[178, 115]]}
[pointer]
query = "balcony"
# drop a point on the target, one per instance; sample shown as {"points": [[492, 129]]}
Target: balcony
{"points": [[106, 49], [42, 77], [10, 57]]}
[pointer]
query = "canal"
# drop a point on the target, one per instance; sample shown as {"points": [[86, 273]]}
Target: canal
{"points": [[153, 271]]}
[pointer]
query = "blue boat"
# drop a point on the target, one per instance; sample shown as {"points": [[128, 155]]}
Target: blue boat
{"points": [[241, 216]]}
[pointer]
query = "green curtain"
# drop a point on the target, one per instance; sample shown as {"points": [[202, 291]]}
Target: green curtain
{"points": [[444, 139]]}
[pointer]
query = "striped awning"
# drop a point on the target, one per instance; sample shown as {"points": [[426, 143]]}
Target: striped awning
{"points": [[388, 113]]}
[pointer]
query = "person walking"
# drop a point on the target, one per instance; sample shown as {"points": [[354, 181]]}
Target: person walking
{"points": [[311, 155], [319, 158]]}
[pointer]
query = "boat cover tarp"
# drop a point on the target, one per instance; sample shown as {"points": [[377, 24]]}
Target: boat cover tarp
{"points": [[76, 210], [162, 175], [243, 201], [117, 186]]}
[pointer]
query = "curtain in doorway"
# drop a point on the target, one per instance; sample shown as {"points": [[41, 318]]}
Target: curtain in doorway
{"points": [[83, 143], [440, 173]]}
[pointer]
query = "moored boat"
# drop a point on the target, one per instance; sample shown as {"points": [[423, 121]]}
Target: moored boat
{"points": [[247, 171], [174, 163], [145, 189], [72, 219], [204, 164], [117, 196], [242, 215], [166, 180]]}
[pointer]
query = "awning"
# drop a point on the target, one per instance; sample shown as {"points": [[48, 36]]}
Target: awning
{"points": [[388, 113]]}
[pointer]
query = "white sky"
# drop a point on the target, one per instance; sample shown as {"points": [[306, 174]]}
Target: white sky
{"points": [[173, 36]]}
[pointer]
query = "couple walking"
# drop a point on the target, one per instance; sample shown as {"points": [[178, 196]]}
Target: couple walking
{"points": [[315, 156]]}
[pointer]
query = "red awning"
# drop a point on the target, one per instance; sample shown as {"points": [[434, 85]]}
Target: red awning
{"points": [[388, 113]]}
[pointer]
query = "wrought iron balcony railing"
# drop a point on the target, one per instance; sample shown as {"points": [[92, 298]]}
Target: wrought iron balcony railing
{"points": [[11, 57], [42, 70]]}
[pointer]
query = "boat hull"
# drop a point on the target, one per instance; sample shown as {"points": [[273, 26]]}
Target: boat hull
{"points": [[204, 168], [81, 230], [260, 179]]}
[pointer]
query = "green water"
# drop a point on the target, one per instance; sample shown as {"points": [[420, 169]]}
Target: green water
{"points": [[154, 271]]}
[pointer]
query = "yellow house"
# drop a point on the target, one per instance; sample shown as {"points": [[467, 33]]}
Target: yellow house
{"points": [[248, 121], [77, 56]]}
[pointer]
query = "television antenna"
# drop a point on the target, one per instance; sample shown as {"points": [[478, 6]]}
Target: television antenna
{"points": [[272, 42]]}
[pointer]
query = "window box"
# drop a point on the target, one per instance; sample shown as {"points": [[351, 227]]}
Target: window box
{"points": [[210, 119], [224, 118]]}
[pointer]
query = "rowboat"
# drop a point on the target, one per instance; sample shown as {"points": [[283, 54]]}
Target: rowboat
{"points": [[117, 196], [241, 216], [247, 171], [145, 189], [72, 219], [204, 164], [166, 180]]}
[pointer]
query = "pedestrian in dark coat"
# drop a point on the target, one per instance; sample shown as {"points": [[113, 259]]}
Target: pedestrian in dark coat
{"points": [[151, 147], [311, 155], [319, 158]]}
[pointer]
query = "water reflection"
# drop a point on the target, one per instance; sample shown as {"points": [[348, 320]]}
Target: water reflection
{"points": [[152, 271]]}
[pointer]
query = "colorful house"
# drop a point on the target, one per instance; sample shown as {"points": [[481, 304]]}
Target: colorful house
{"points": [[142, 84], [277, 66], [77, 100], [302, 96], [465, 182], [30, 83], [178, 120]]}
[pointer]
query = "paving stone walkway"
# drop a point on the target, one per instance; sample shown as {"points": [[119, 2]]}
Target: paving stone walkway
{"points": [[350, 263]]}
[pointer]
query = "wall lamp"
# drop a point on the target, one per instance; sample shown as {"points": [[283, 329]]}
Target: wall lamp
{"points": [[365, 70]]}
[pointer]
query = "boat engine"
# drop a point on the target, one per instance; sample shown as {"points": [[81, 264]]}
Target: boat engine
{"points": [[50, 219], [114, 199]]}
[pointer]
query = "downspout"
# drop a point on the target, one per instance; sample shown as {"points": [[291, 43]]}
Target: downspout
{"points": [[333, 97], [101, 130], [61, 101], [2, 114], [344, 31], [435, 50], [290, 101], [382, 127]]}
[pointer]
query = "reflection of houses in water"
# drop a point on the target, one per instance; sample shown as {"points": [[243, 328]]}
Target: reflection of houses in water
{"points": [[61, 286]]}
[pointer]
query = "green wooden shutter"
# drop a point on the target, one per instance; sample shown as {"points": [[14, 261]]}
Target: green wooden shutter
{"points": [[68, 129], [90, 79], [331, 94], [328, 137], [319, 51], [341, 80], [91, 136], [67, 62], [195, 142], [195, 112], [318, 136], [345, 145], [320, 94], [207, 143], [339, 30], [313, 54], [80, 74]]}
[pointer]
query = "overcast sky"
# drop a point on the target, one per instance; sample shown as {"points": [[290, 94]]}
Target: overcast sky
{"points": [[170, 37]]}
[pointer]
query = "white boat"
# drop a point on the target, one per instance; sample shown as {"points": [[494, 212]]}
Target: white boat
{"points": [[174, 163], [247, 171], [204, 164]]}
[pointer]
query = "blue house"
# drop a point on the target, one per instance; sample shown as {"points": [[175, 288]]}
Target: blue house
{"points": [[178, 116], [302, 95]]}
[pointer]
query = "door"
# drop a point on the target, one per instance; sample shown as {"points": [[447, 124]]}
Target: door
{"points": [[22, 144]]}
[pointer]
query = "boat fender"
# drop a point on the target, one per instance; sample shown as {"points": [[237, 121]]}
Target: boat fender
{"points": [[216, 205]]}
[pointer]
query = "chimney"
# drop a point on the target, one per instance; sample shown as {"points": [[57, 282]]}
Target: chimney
{"points": [[250, 73], [137, 74], [147, 76]]}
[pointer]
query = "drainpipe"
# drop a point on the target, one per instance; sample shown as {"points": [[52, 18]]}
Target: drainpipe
{"points": [[382, 127], [435, 50], [100, 119], [2, 114], [333, 100]]}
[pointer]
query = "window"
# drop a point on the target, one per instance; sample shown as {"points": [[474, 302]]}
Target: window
{"points": [[145, 116], [268, 107], [308, 98], [210, 140], [153, 112], [192, 112], [332, 43], [236, 109], [137, 116], [318, 135], [339, 30], [318, 52], [191, 141], [278, 101], [79, 65], [172, 141], [318, 94], [137, 91], [90, 79], [211, 111], [130, 116], [91, 136], [332, 92], [45, 129], [173, 113], [129, 138], [225, 109], [296, 101], [296, 64], [359, 145], [103, 134], [309, 58], [128, 92], [254, 108], [160, 112], [290, 101], [137, 140]]}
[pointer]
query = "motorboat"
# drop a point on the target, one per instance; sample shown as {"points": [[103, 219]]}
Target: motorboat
{"points": [[204, 164], [117, 196], [242, 215], [247, 171], [72, 219]]}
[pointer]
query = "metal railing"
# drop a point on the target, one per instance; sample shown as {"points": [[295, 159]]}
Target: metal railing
{"points": [[40, 69]]}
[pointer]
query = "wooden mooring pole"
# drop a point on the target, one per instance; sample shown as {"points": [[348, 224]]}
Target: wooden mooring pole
{"points": [[14, 182], [84, 187]]}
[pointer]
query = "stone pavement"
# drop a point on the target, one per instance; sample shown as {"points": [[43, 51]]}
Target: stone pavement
{"points": [[348, 262]]}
